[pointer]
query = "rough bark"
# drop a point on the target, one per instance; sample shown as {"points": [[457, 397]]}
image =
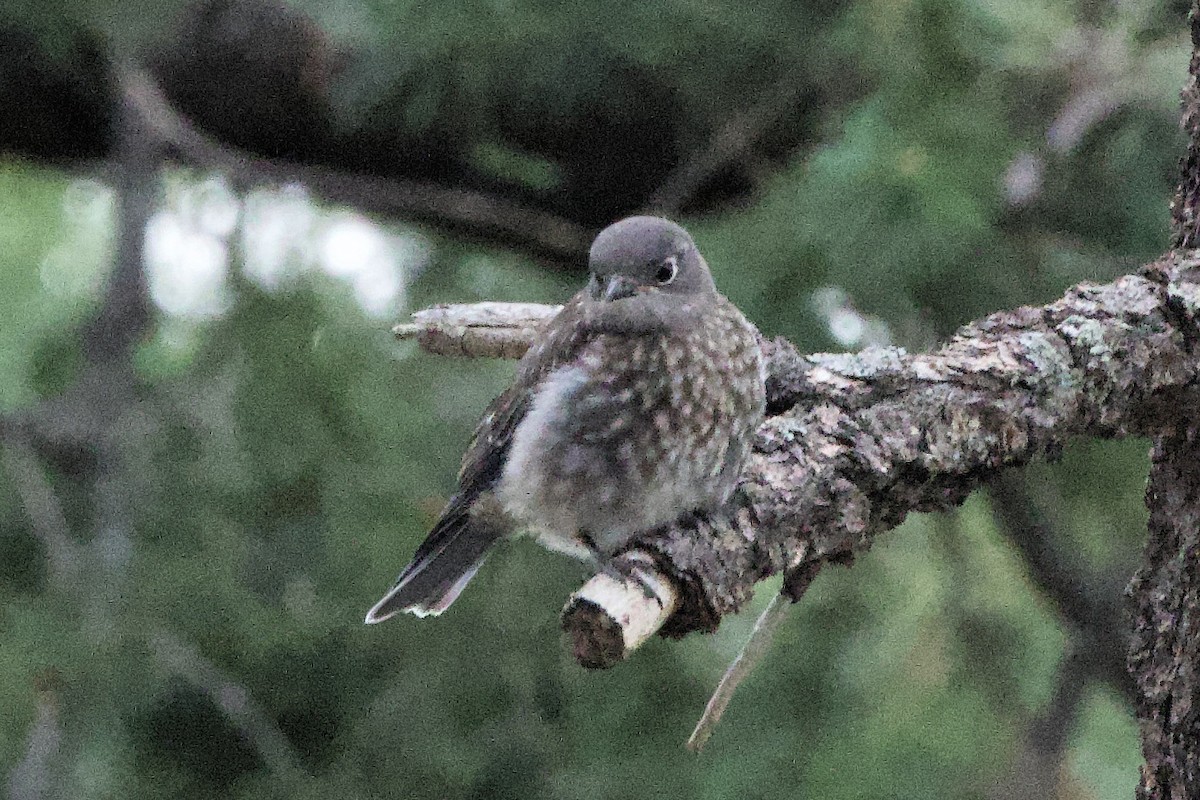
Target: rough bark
{"points": [[854, 443], [1164, 656], [1165, 652]]}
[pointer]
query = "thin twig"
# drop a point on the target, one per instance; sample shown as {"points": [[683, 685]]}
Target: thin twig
{"points": [[752, 652], [795, 584]]}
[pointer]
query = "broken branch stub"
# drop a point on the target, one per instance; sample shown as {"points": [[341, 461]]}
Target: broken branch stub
{"points": [[477, 330]]}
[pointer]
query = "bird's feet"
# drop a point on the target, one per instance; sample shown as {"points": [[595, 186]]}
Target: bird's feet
{"points": [[620, 571]]}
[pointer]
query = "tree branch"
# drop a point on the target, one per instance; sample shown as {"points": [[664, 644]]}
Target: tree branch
{"points": [[1036, 771], [125, 313], [32, 777], [90, 427], [487, 330], [474, 214], [42, 508], [608, 619], [1165, 591], [854, 443], [1165, 650]]}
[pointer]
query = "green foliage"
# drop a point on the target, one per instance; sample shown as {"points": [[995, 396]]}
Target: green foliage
{"points": [[53, 250], [291, 456]]}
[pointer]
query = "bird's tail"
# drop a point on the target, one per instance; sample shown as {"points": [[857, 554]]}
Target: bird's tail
{"points": [[442, 567]]}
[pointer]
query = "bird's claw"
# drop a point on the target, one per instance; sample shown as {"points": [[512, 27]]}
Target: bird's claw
{"points": [[626, 572], [620, 571]]}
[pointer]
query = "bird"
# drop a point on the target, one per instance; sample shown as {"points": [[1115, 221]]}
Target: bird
{"points": [[636, 407]]}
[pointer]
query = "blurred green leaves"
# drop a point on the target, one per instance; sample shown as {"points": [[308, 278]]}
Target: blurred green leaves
{"points": [[294, 455]]}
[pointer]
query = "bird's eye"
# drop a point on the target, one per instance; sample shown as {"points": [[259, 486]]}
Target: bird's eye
{"points": [[667, 271]]}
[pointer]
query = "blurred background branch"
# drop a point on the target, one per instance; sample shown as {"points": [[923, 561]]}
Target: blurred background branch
{"points": [[732, 147], [488, 217], [183, 659], [97, 421], [1039, 768], [41, 504], [1089, 605], [30, 779]]}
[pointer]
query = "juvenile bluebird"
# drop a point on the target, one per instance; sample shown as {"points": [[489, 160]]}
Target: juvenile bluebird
{"points": [[636, 407]]}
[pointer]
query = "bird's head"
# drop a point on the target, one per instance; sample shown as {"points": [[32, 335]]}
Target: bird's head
{"points": [[640, 255]]}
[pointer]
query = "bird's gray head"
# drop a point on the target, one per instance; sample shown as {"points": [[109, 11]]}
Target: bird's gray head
{"points": [[646, 254]]}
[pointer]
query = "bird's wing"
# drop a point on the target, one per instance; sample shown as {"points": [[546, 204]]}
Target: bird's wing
{"points": [[579, 322], [558, 345], [483, 462]]}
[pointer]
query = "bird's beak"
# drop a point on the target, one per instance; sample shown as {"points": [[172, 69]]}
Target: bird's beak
{"points": [[620, 286]]}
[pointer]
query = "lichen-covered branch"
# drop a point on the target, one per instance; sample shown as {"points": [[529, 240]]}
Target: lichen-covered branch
{"points": [[853, 443]]}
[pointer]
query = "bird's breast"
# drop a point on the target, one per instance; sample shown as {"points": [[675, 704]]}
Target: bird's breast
{"points": [[636, 432]]}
